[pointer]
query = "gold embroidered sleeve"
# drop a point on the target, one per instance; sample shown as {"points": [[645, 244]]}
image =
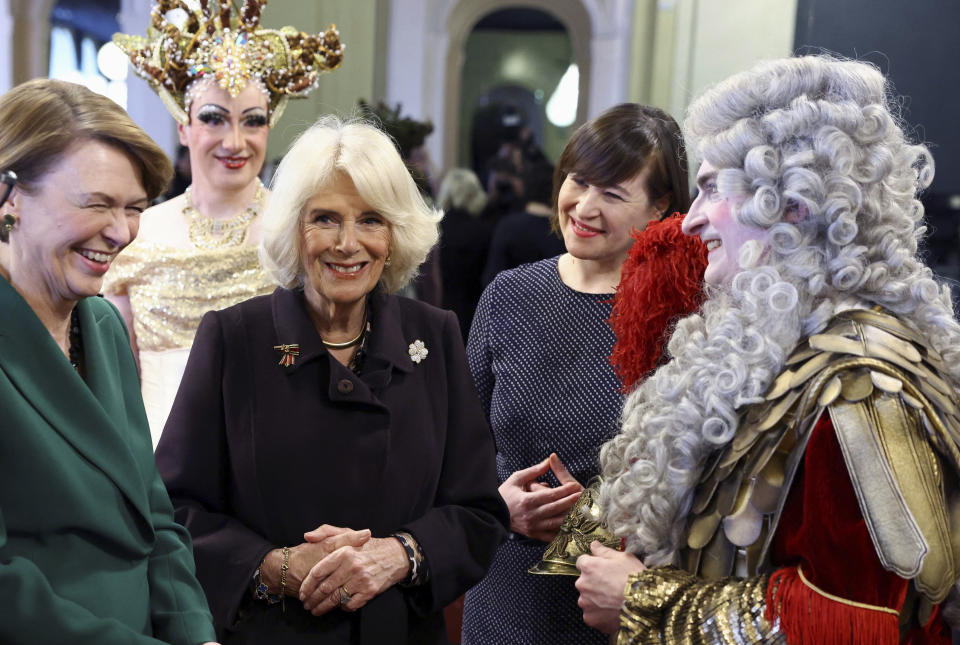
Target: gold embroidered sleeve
{"points": [[671, 606]]}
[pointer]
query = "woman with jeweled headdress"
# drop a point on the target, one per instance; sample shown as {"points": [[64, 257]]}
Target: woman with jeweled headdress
{"points": [[226, 81]]}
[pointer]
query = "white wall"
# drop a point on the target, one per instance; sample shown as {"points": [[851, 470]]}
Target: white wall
{"points": [[727, 37], [610, 53], [683, 46], [6, 47], [716, 39], [406, 52], [143, 105]]}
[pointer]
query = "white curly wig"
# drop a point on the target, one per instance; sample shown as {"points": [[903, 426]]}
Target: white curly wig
{"points": [[812, 150]]}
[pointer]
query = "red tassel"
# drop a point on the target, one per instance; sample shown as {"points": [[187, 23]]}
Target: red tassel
{"points": [[935, 632], [809, 618], [660, 282]]}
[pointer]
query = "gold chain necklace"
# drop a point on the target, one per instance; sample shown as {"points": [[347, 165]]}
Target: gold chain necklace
{"points": [[209, 233], [364, 328]]}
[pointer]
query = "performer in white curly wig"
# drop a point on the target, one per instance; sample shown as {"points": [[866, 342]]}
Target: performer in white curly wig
{"points": [[789, 475]]}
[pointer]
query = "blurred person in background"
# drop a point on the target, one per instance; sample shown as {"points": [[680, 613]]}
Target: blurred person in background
{"points": [[464, 241], [527, 235]]}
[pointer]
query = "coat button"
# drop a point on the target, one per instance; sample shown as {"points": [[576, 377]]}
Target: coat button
{"points": [[345, 386]]}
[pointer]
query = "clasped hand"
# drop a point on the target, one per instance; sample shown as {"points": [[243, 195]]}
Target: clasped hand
{"points": [[333, 557], [536, 509], [362, 572]]}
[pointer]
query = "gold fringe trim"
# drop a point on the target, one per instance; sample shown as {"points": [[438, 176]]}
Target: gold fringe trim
{"points": [[852, 603]]}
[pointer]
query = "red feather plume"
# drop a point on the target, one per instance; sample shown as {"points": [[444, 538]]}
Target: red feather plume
{"points": [[661, 282]]}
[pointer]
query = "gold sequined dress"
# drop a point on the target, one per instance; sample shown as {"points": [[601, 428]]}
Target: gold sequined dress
{"points": [[170, 289]]}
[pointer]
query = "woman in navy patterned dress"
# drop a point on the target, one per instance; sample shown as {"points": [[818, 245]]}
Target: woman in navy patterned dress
{"points": [[538, 351]]}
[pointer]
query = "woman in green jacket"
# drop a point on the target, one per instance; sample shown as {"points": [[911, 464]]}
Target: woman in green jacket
{"points": [[89, 551]]}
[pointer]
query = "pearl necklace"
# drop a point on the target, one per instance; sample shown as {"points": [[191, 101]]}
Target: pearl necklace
{"points": [[209, 233]]}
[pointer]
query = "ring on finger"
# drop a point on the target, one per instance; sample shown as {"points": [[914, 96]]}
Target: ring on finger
{"points": [[344, 595]]}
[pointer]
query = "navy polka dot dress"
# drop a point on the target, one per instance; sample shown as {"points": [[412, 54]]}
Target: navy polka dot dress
{"points": [[538, 353]]}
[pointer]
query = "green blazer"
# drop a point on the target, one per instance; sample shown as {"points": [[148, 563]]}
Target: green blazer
{"points": [[89, 550]]}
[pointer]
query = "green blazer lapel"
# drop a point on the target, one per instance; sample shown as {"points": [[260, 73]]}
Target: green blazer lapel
{"points": [[91, 419]]}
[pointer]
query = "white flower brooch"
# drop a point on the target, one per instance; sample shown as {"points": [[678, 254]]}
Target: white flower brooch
{"points": [[417, 351]]}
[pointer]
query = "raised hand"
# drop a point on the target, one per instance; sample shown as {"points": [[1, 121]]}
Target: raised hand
{"points": [[536, 509]]}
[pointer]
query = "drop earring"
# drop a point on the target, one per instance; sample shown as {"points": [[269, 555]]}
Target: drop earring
{"points": [[8, 180], [9, 223]]}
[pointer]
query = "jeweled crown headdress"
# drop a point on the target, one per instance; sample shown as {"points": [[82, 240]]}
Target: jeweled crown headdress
{"points": [[215, 42]]}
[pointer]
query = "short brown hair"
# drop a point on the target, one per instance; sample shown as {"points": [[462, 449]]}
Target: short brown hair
{"points": [[42, 118], [619, 144]]}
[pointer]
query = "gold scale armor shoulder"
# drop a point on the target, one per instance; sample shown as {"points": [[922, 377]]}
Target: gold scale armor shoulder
{"points": [[893, 408], [894, 411]]}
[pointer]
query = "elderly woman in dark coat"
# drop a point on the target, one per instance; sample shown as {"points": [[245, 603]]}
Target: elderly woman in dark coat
{"points": [[327, 450]]}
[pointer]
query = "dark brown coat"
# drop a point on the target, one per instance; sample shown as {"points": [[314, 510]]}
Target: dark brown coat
{"points": [[254, 454]]}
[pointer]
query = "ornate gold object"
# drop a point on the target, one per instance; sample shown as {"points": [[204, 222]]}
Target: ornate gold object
{"points": [[209, 233], [891, 404], [580, 527], [671, 606], [289, 353], [231, 48]]}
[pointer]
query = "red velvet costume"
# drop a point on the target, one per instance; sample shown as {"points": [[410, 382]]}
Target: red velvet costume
{"points": [[823, 531]]}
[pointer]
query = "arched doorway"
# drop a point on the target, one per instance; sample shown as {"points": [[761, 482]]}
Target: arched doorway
{"points": [[460, 23], [81, 50], [515, 60]]}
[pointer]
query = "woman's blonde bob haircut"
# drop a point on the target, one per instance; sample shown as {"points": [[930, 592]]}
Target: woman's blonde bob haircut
{"points": [[40, 120], [370, 158]]}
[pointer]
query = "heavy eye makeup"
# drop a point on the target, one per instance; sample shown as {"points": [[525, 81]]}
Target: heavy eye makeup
{"points": [[710, 190], [211, 115], [256, 120], [707, 186]]}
